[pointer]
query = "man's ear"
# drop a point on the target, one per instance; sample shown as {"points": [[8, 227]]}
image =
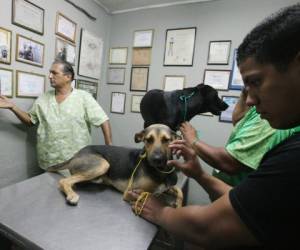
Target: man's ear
{"points": [[138, 137]]}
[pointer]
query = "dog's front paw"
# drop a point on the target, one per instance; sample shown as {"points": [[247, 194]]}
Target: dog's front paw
{"points": [[73, 199]]}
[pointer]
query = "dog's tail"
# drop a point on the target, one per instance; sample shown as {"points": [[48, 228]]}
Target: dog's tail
{"points": [[59, 166]]}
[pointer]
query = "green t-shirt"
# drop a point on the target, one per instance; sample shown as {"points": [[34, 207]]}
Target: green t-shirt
{"points": [[65, 128], [250, 139]]}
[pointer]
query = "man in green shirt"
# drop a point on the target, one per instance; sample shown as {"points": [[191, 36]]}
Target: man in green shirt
{"points": [[63, 117]]}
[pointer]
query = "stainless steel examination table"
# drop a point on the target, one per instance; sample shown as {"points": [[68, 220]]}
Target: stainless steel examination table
{"points": [[34, 215]]}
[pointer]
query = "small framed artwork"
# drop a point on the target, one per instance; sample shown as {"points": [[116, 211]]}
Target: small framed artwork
{"points": [[218, 79], [6, 82], [88, 86], [139, 79], [118, 102], [65, 51], [29, 51], [118, 55], [135, 103], [28, 16], [179, 47], [141, 56], [73, 84], [143, 38], [30, 85], [65, 27], [116, 76], [173, 82], [236, 80], [218, 52], [5, 46], [226, 116]]}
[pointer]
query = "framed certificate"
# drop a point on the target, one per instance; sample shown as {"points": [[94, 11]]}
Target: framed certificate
{"points": [[226, 116], [135, 103], [218, 52], [118, 55], [173, 82], [6, 82], [118, 102], [141, 56], [179, 47], [65, 27], [65, 50], [88, 86], [218, 79], [30, 85], [139, 79], [28, 16], [236, 80], [5, 46], [143, 38], [116, 76]]}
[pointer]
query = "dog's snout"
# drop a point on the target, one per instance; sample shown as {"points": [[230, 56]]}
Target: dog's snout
{"points": [[158, 159]]}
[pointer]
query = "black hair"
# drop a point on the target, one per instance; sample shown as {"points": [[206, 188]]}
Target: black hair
{"points": [[67, 69], [276, 40]]}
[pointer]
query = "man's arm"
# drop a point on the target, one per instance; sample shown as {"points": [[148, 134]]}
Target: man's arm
{"points": [[106, 129]]}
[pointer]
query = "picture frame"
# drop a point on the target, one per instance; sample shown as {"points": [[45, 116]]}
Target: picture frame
{"points": [[218, 79], [173, 82], [65, 27], [180, 46], [6, 82], [141, 56], [226, 116], [118, 100], [118, 55], [90, 55], [65, 50], [5, 45], [88, 86], [135, 103], [139, 79], [236, 80], [219, 52], [116, 76], [143, 38], [29, 51], [29, 85], [28, 16]]}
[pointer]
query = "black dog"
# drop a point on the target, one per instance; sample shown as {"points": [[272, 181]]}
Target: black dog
{"points": [[174, 107]]}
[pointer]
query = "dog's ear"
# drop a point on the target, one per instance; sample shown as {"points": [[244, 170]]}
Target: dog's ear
{"points": [[138, 137]]}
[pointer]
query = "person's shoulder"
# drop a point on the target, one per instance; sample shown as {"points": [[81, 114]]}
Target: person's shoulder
{"points": [[46, 96]]}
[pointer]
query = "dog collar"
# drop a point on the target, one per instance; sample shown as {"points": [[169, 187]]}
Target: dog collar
{"points": [[185, 98]]}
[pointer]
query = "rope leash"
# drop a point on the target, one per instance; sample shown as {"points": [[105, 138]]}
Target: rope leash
{"points": [[185, 98]]}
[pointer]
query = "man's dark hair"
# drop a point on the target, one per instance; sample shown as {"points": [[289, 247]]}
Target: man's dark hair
{"points": [[67, 69], [276, 40]]}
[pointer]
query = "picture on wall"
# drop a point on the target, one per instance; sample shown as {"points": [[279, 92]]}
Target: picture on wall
{"points": [[218, 79], [65, 51], [118, 55], [139, 79], [5, 46], [135, 103], [65, 27], [218, 52], [88, 86], [143, 38], [116, 76], [236, 80], [179, 47], [141, 56], [29, 84], [226, 116], [90, 55], [173, 82], [29, 51], [6, 82], [118, 102]]}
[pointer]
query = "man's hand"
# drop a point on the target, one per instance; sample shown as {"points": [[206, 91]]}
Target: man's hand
{"points": [[188, 132], [5, 103]]}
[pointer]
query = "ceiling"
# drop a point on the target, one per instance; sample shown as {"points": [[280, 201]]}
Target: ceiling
{"points": [[121, 6]]}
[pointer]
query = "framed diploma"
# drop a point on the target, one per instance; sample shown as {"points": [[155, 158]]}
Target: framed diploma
{"points": [[139, 79], [173, 82], [218, 52], [5, 46], [116, 76], [226, 116], [88, 86], [65, 27], [179, 47], [218, 79], [28, 16], [30, 85], [236, 80], [141, 56], [118, 55], [143, 38], [6, 82], [118, 102], [65, 50], [135, 103]]}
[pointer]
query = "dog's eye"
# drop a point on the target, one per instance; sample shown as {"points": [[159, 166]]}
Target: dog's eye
{"points": [[149, 140], [165, 140]]}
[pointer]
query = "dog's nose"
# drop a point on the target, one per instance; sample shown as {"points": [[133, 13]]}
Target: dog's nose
{"points": [[157, 159]]}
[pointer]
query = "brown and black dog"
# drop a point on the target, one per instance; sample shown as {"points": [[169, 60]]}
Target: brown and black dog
{"points": [[115, 166]]}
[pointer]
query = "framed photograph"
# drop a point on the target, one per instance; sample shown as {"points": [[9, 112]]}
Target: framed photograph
{"points": [[90, 55], [139, 79], [135, 103], [236, 80], [5, 46], [218, 52], [143, 38], [179, 47], [73, 84], [30, 84], [118, 102], [65, 27], [6, 82], [118, 55], [218, 79], [88, 86], [141, 56], [226, 116], [116, 76], [65, 50], [174, 82], [28, 16]]}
